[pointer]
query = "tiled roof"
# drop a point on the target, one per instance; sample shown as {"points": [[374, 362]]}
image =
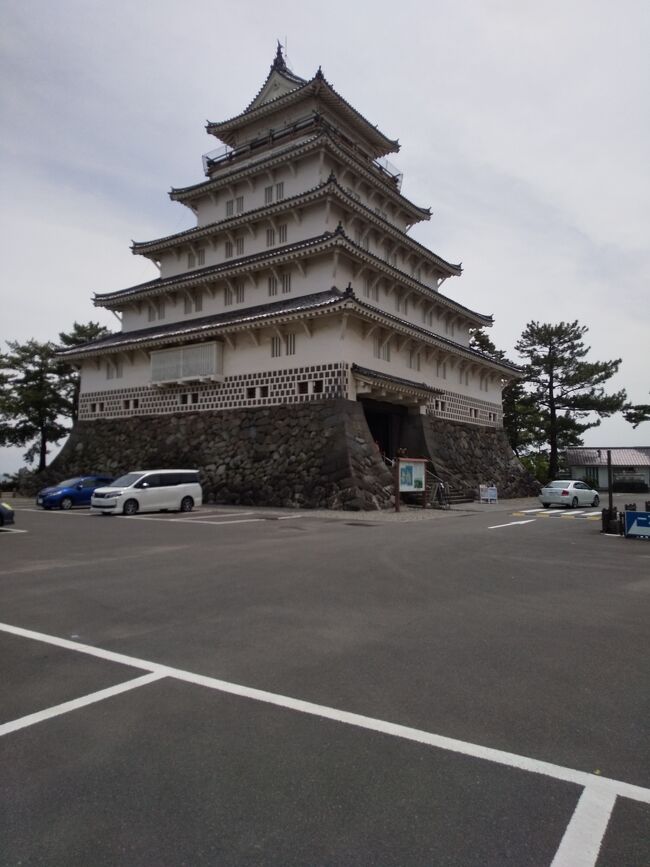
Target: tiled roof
{"points": [[331, 184], [195, 327], [279, 66], [203, 276], [458, 348], [319, 86], [311, 143], [597, 457], [249, 316], [386, 377]]}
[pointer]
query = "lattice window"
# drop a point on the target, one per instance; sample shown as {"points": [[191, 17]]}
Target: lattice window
{"points": [[282, 233], [200, 257], [239, 204], [381, 348], [229, 250], [156, 310], [230, 207], [286, 284], [290, 344], [268, 195], [276, 347], [270, 237], [279, 191], [240, 246], [273, 285], [186, 362]]}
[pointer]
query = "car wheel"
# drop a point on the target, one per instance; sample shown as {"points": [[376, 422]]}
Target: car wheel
{"points": [[130, 507], [66, 503], [574, 503], [187, 504], [596, 501], [546, 505]]}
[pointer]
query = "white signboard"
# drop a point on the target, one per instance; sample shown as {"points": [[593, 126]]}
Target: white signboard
{"points": [[488, 493]]}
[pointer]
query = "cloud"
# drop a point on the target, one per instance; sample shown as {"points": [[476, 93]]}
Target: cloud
{"points": [[523, 126]]}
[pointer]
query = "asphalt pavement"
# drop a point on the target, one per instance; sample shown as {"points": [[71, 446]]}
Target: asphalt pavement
{"points": [[258, 686]]}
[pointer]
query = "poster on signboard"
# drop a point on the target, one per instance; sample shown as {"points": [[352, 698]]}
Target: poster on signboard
{"points": [[411, 475], [637, 525]]}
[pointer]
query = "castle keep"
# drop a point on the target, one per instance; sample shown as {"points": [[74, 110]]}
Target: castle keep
{"points": [[297, 332]]}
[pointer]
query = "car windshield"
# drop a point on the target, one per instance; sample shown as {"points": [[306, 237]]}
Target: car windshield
{"points": [[68, 483], [126, 480], [558, 485]]}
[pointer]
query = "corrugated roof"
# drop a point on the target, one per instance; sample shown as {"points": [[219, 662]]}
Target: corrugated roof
{"points": [[597, 457]]}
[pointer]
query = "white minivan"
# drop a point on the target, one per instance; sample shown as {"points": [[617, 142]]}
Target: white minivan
{"points": [[149, 491]]}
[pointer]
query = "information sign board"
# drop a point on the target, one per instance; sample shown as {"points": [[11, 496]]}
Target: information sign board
{"points": [[411, 475], [637, 525]]}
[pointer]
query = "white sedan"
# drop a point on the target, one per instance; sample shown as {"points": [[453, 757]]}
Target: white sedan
{"points": [[568, 493]]}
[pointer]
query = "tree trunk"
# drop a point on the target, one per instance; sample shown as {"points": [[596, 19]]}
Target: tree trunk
{"points": [[553, 463], [42, 453]]}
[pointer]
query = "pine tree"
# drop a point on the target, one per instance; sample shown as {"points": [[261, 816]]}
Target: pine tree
{"points": [[636, 413], [566, 389], [32, 402], [521, 420]]}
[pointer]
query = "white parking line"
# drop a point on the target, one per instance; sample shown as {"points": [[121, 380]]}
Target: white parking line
{"points": [[529, 511], [215, 523], [11, 530], [583, 837], [595, 783], [57, 710], [215, 513], [511, 524]]}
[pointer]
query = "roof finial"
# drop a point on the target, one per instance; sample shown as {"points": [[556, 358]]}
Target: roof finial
{"points": [[319, 74], [278, 62]]}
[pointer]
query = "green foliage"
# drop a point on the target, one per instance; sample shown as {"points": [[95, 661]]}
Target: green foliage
{"points": [[636, 413], [521, 420], [565, 388], [39, 391], [32, 402], [537, 465]]}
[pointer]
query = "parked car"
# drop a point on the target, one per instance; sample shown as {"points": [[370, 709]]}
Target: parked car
{"points": [[71, 492], [149, 491], [7, 515], [569, 493]]}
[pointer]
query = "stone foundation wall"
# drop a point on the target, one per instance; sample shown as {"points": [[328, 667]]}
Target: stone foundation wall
{"points": [[467, 456], [313, 455]]}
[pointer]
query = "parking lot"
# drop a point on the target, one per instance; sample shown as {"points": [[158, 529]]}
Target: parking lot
{"points": [[253, 686]]}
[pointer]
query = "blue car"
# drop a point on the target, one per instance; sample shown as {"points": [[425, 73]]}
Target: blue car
{"points": [[71, 492]]}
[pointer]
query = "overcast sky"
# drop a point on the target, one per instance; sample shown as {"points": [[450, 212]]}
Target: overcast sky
{"points": [[524, 126]]}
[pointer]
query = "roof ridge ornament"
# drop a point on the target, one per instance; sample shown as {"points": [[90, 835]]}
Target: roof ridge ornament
{"points": [[279, 63], [319, 74]]}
